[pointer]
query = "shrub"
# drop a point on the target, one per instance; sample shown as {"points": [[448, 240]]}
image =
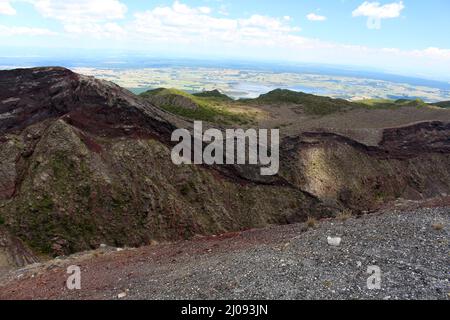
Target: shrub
{"points": [[345, 215], [437, 226], [311, 222]]}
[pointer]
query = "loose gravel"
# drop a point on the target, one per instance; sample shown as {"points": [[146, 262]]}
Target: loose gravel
{"points": [[410, 249]]}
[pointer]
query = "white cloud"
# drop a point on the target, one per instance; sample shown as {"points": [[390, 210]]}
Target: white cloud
{"points": [[223, 10], [430, 53], [96, 30], [375, 12], [8, 31], [315, 17], [199, 31], [183, 24], [204, 10], [6, 8], [193, 31], [89, 17], [81, 10]]}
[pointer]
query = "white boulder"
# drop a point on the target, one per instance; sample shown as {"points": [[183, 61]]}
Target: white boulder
{"points": [[335, 242]]}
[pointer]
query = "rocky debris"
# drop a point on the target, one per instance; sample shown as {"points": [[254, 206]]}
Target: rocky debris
{"points": [[283, 262], [58, 246], [13, 253], [422, 137]]}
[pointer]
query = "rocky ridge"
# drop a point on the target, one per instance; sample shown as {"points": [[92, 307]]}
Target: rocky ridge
{"points": [[85, 162]]}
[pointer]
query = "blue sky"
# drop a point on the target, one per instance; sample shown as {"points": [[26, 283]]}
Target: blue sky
{"points": [[409, 36]]}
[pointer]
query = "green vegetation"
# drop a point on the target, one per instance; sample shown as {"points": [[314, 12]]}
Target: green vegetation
{"points": [[2, 220], [42, 206], [313, 105], [187, 188], [311, 223], [208, 106], [392, 104], [442, 104], [165, 92], [84, 191], [210, 114], [213, 106], [215, 94], [62, 166], [318, 105], [345, 215]]}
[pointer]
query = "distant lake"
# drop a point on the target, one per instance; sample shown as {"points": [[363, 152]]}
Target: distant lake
{"points": [[254, 90], [304, 89], [250, 90]]}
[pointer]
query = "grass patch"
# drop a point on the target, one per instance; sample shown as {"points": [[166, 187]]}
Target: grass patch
{"points": [[320, 106], [311, 223], [442, 104], [165, 92], [215, 94], [210, 106], [437, 226], [312, 104], [43, 206], [210, 114], [391, 104], [344, 215]]}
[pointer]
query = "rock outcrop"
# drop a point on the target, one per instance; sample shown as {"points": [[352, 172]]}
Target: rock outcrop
{"points": [[13, 253], [411, 163]]}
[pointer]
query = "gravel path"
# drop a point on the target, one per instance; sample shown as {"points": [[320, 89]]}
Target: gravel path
{"points": [[289, 262]]}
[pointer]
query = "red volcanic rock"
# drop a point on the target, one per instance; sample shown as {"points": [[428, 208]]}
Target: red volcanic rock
{"points": [[29, 96]]}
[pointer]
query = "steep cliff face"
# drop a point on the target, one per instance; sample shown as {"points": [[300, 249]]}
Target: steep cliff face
{"points": [[85, 162], [29, 96], [411, 162], [77, 191]]}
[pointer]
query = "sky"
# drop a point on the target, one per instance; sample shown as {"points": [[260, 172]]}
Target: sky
{"points": [[406, 36]]}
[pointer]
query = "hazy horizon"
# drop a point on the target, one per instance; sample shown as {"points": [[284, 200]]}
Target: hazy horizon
{"points": [[398, 37]]}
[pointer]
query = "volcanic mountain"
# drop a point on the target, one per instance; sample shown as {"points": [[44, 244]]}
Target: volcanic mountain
{"points": [[85, 162]]}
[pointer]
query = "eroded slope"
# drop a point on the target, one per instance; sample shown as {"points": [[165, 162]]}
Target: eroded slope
{"points": [[84, 162]]}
